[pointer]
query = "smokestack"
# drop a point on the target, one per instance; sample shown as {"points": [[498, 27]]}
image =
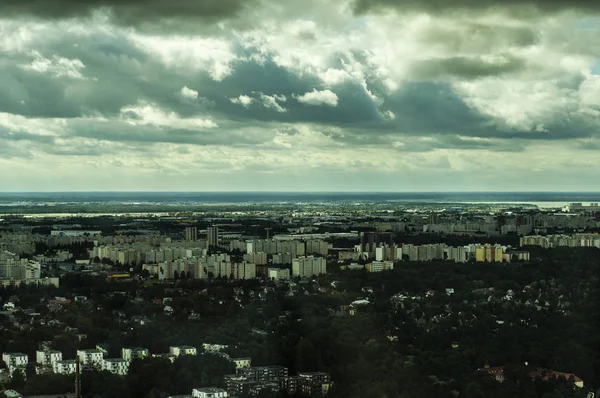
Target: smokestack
{"points": [[77, 378]]}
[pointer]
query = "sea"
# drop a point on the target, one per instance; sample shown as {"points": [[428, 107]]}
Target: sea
{"points": [[539, 199]]}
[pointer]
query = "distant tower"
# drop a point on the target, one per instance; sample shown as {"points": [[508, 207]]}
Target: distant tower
{"points": [[77, 378], [191, 234], [212, 237], [268, 230]]}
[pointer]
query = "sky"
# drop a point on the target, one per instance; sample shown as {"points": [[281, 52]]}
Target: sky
{"points": [[312, 95]]}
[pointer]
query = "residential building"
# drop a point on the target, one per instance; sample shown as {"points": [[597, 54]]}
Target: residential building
{"points": [[378, 266], [66, 367], [244, 270], [116, 366], [258, 258], [212, 237], [546, 375], [209, 393], [279, 273], [169, 356], [182, 350], [132, 353], [241, 362], [48, 357], [315, 383], [263, 373], [14, 360], [191, 234], [90, 357], [306, 267]]}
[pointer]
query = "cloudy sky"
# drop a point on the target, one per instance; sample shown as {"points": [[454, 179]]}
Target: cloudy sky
{"points": [[323, 95]]}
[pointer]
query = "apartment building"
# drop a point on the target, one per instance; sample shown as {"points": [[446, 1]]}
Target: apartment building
{"points": [[244, 270], [65, 367], [47, 357], [91, 357], [306, 267], [279, 273], [132, 353], [209, 393], [183, 350], [116, 366], [378, 266], [14, 360], [241, 362]]}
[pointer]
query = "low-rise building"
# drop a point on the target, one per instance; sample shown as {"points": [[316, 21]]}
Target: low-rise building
{"points": [[183, 350], [169, 356], [64, 367], [132, 353], [315, 383], [48, 357], [279, 273], [116, 366], [90, 357], [209, 392], [242, 362], [14, 360]]}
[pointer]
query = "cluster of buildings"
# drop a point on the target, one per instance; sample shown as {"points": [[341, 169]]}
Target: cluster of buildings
{"points": [[15, 270], [217, 265], [254, 380], [385, 252], [497, 372], [52, 361], [550, 241], [208, 392]]}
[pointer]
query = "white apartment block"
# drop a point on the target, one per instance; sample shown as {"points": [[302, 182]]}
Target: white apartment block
{"points": [[213, 347], [129, 354], [90, 357], [242, 362], [14, 360], [279, 273], [183, 350], [209, 393], [64, 367], [378, 266], [48, 357], [116, 366], [305, 267]]}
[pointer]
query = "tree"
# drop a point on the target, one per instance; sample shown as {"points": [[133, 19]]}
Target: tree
{"points": [[17, 380]]}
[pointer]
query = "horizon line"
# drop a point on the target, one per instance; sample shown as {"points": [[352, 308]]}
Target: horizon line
{"points": [[297, 192]]}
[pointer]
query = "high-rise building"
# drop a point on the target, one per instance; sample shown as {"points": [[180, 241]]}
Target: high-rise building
{"points": [[212, 237], [191, 234], [305, 267], [244, 270]]}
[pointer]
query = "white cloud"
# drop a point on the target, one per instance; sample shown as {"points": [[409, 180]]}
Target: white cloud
{"points": [[242, 100], [56, 66], [272, 102], [317, 98], [145, 113], [188, 93], [184, 53]]}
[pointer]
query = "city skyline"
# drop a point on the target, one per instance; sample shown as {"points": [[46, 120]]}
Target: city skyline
{"points": [[339, 96]]}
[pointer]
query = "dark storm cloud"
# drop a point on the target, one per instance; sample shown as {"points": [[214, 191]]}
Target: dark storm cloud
{"points": [[465, 68], [428, 107], [515, 7], [129, 12]]}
